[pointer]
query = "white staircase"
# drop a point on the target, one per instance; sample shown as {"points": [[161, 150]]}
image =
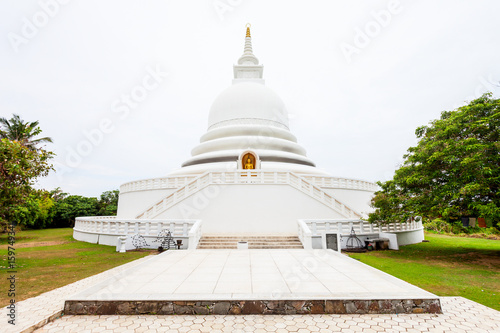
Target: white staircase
{"points": [[248, 177], [254, 242]]}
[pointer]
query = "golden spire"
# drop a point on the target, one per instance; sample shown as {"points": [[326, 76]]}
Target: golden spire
{"points": [[248, 29]]}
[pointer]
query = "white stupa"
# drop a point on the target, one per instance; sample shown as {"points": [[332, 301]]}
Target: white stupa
{"points": [[248, 175]]}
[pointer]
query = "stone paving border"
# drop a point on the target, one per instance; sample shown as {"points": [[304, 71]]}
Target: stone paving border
{"points": [[37, 311], [265, 307], [460, 315]]}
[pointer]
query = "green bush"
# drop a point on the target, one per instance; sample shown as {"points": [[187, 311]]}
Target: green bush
{"points": [[438, 225], [455, 227]]}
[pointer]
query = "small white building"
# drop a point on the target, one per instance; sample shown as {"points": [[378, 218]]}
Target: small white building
{"points": [[248, 176]]}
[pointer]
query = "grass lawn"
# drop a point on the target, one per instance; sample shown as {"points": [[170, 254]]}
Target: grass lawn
{"points": [[51, 258], [446, 266]]}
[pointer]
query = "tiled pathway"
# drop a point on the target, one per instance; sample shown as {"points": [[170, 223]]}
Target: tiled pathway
{"points": [[459, 315], [284, 274]]}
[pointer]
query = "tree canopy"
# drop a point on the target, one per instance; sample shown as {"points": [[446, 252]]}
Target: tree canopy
{"points": [[453, 171], [16, 129], [20, 166], [22, 161]]}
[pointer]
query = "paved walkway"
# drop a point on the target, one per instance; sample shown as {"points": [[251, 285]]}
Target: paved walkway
{"points": [[460, 316], [284, 274]]}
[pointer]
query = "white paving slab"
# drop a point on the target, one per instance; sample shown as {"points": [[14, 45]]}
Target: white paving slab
{"points": [[286, 274]]}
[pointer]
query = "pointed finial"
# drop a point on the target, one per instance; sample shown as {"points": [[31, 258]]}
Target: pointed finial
{"points": [[248, 65], [248, 29]]}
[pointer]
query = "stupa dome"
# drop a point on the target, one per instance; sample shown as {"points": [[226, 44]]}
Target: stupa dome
{"points": [[250, 103], [249, 116]]}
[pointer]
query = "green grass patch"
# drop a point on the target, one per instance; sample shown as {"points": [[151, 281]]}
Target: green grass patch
{"points": [[446, 266], [51, 258], [38, 236]]}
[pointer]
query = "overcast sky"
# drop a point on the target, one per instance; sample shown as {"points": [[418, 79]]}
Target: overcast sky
{"points": [[357, 77]]}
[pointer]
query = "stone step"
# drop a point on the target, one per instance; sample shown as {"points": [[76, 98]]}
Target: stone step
{"points": [[251, 246], [250, 239], [254, 242]]}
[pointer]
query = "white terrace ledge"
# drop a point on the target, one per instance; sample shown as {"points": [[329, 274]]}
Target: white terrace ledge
{"points": [[106, 230], [312, 233]]}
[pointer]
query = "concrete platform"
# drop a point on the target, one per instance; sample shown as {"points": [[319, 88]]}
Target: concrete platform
{"points": [[288, 281]]}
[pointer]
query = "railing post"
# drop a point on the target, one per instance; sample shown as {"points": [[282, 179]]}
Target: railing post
{"points": [[361, 227], [340, 227], [371, 228], [184, 229]]}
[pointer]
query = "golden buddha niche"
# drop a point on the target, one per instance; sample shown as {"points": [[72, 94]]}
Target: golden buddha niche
{"points": [[248, 162]]}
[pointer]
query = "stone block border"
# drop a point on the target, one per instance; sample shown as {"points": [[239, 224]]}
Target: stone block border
{"points": [[275, 307]]}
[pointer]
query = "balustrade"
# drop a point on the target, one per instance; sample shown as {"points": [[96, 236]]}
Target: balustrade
{"points": [[125, 227], [317, 227]]}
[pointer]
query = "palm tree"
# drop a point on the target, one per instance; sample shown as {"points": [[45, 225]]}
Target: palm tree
{"points": [[16, 129]]}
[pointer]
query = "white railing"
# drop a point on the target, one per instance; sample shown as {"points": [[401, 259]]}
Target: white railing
{"points": [[194, 235], [342, 183], [344, 227], [305, 235], [155, 184], [180, 181], [319, 194], [110, 225], [248, 177], [180, 194]]}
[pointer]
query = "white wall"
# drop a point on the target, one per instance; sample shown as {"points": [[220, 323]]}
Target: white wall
{"points": [[131, 204], [250, 209], [356, 199], [410, 237]]}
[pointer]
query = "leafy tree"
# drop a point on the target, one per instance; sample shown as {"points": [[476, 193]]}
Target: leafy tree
{"points": [[453, 171], [36, 212], [20, 166], [108, 204], [23, 132], [70, 207]]}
